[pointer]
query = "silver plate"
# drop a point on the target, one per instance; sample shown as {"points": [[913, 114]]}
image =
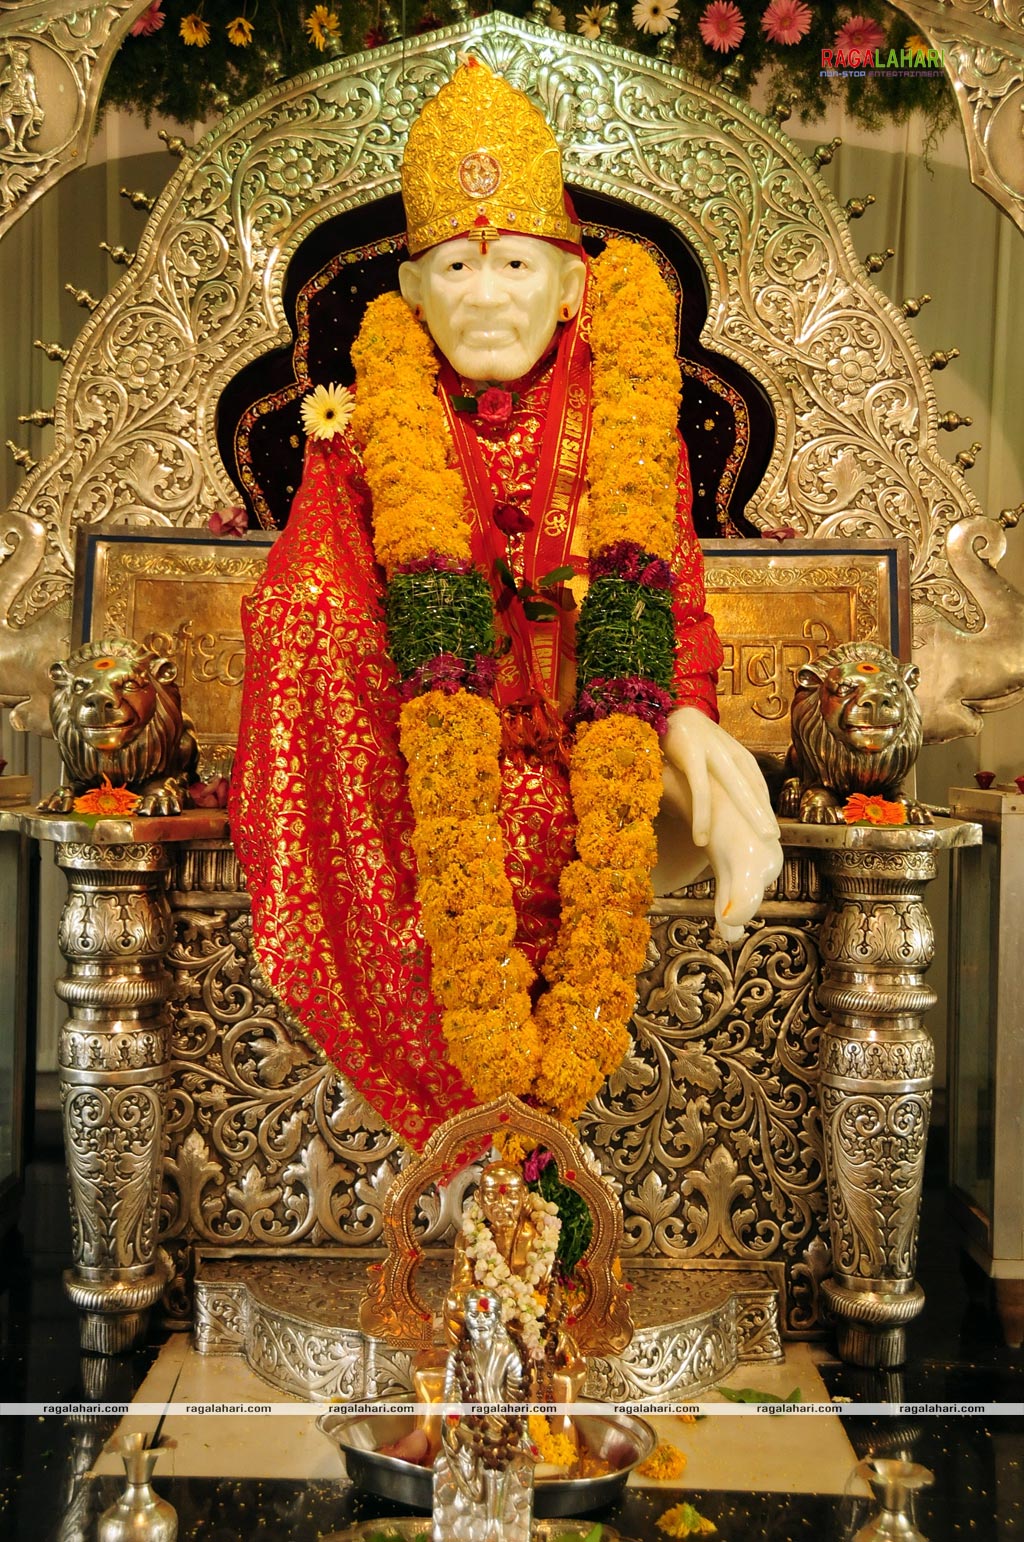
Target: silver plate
{"points": [[622, 1438]]}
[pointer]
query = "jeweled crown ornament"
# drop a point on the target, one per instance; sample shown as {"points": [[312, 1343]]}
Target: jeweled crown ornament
{"points": [[481, 157]]}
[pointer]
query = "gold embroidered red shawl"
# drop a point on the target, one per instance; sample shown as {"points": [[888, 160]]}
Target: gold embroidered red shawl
{"points": [[320, 814]]}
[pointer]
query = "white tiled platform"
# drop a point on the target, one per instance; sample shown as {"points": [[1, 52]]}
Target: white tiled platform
{"points": [[809, 1455]]}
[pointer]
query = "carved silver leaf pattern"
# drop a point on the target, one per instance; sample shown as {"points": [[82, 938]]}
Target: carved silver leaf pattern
{"points": [[265, 1145], [111, 1136], [710, 1129], [875, 1148]]}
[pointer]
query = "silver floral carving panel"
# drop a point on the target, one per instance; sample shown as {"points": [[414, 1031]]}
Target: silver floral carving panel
{"points": [[293, 1318], [982, 43], [710, 1128], [108, 1137], [265, 1144], [53, 60], [877, 1146], [855, 453], [710, 1131]]}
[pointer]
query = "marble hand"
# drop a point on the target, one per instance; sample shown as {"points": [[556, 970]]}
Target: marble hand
{"points": [[715, 815]]}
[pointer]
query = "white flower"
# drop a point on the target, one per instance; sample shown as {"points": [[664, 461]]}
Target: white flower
{"points": [[590, 19], [326, 411], [654, 15], [517, 1299]]}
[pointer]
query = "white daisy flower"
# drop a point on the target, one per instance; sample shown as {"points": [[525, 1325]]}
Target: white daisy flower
{"points": [[590, 19], [655, 16], [326, 411]]}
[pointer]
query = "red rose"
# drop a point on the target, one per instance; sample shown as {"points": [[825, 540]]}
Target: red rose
{"points": [[233, 521], [511, 519], [495, 406]]}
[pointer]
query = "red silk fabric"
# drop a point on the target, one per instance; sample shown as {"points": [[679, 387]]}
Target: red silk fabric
{"points": [[320, 812]]}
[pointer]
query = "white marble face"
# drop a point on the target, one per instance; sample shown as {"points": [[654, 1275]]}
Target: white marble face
{"points": [[493, 314]]}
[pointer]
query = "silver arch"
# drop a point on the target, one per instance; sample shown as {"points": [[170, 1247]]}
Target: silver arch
{"points": [[855, 453]]}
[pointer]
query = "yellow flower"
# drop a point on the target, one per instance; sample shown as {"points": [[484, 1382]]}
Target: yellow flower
{"points": [[559, 1450], [590, 19], [322, 24], [637, 387], [194, 30], [240, 31], [684, 1521], [327, 410], [664, 1463]]}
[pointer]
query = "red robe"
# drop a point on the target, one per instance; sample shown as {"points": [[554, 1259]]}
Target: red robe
{"points": [[320, 812]]}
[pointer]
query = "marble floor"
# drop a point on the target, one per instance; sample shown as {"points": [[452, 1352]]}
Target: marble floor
{"points": [[277, 1476], [772, 1453]]}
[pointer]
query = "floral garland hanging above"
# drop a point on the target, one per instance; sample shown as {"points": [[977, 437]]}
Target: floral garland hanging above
{"points": [[190, 59]]}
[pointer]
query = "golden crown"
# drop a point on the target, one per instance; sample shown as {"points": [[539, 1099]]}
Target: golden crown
{"points": [[480, 156]]}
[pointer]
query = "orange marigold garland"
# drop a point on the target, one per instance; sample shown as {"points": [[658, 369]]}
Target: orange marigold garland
{"points": [[562, 1051]]}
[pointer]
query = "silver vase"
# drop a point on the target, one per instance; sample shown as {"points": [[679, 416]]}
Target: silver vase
{"points": [[893, 1484], [139, 1515]]}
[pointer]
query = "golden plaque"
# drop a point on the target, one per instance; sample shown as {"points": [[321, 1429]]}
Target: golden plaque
{"points": [[180, 593], [779, 604]]}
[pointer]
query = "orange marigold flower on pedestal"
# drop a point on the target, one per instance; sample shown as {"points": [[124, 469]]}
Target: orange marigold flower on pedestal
{"points": [[870, 809], [684, 1521], [107, 799]]}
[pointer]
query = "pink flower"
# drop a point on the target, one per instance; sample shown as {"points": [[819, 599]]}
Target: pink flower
{"points": [[721, 26], [511, 519], [536, 1162], [786, 21], [149, 22], [861, 33], [495, 406], [233, 521]]}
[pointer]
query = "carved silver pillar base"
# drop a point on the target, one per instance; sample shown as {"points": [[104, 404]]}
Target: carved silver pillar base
{"points": [[115, 931], [876, 1066], [115, 1313]]}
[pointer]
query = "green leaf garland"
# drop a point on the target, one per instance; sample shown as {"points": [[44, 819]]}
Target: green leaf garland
{"points": [[626, 629], [438, 611]]}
